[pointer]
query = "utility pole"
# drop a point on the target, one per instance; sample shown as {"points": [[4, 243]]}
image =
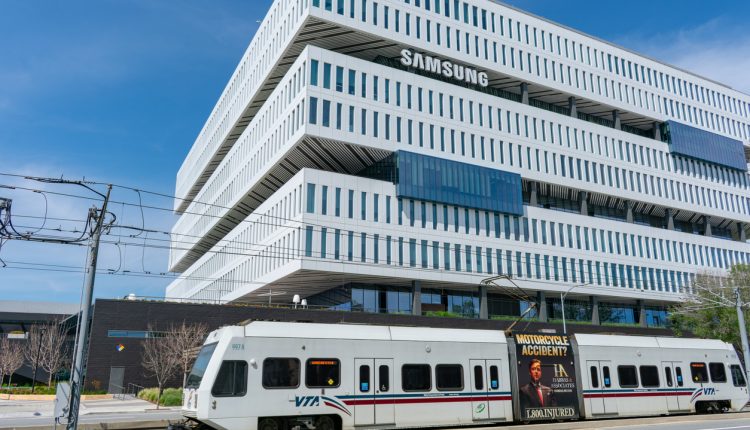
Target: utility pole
{"points": [[743, 332], [79, 365]]}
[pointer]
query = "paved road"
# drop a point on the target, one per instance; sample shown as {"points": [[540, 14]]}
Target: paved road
{"points": [[734, 421], [103, 415]]}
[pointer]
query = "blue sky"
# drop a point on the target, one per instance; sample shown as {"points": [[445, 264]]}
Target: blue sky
{"points": [[117, 91]]}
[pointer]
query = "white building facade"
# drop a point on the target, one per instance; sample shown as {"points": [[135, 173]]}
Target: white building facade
{"points": [[389, 156]]}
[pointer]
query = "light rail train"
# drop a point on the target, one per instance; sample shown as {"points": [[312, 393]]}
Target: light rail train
{"points": [[282, 376]]}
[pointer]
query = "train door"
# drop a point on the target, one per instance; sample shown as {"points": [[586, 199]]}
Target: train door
{"points": [[598, 400], [480, 408], [486, 403], [673, 399], [673, 381], [373, 379]]}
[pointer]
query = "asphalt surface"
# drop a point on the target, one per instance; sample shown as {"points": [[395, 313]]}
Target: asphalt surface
{"points": [[137, 414], [730, 421]]}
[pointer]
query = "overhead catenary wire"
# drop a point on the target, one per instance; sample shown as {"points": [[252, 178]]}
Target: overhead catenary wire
{"points": [[606, 275], [141, 206], [285, 219]]}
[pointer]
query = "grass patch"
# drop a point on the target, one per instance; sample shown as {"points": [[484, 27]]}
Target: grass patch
{"points": [[170, 396], [512, 318]]}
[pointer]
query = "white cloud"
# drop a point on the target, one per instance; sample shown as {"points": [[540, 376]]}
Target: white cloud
{"points": [[717, 49]]}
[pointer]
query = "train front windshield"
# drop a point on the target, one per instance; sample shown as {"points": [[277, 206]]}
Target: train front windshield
{"points": [[199, 368]]}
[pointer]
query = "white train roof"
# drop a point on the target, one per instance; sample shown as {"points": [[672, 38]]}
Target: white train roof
{"points": [[370, 332], [650, 342]]}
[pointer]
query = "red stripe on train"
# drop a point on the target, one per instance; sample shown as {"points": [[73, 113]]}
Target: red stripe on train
{"points": [[424, 400], [642, 394]]}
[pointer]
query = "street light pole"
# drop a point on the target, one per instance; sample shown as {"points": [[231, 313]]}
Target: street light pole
{"points": [[562, 303]]}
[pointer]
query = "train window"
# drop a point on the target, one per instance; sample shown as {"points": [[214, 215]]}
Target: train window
{"points": [[415, 377], [494, 378], [449, 377], [737, 377], [668, 375], [718, 372], [281, 373], [322, 372], [199, 367], [698, 372], [364, 379], [628, 376], [384, 378], [605, 375], [231, 380], [478, 378], [594, 377], [649, 376], [678, 374]]}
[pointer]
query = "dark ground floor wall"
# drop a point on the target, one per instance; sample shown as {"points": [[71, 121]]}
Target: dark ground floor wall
{"points": [[118, 327]]}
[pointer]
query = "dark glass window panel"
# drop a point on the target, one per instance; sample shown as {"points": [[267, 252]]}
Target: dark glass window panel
{"points": [[322, 372], [415, 377], [364, 379], [738, 379], [649, 376], [594, 377], [627, 376], [478, 378], [384, 378], [718, 372], [607, 378], [698, 372], [281, 373], [449, 377], [231, 380], [494, 378], [199, 367]]}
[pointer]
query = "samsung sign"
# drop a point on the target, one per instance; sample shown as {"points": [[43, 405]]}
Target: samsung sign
{"points": [[443, 68]]}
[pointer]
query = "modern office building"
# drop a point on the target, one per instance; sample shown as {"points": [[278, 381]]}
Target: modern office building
{"points": [[388, 156]]}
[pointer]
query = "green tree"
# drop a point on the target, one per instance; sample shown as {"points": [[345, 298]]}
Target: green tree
{"points": [[709, 308]]}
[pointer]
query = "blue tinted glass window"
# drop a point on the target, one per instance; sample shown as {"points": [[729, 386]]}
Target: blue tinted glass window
{"points": [[326, 75], [310, 198], [313, 119], [324, 206], [308, 241], [412, 252]]}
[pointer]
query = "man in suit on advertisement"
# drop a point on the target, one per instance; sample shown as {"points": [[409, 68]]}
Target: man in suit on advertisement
{"points": [[534, 394]]}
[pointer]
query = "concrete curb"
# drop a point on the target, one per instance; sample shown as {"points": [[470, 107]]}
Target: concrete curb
{"points": [[153, 424], [52, 397]]}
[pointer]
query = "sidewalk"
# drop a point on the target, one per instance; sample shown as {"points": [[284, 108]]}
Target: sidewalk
{"points": [[36, 413]]}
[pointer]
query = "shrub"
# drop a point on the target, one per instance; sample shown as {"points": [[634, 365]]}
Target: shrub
{"points": [[170, 396]]}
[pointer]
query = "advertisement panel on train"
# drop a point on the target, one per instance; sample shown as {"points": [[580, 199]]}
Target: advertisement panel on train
{"points": [[546, 377]]}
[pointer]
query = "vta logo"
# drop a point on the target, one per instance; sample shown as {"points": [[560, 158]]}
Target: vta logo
{"points": [[705, 391], [305, 401]]}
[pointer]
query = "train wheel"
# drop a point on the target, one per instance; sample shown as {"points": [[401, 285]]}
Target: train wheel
{"points": [[325, 422], [269, 424]]}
